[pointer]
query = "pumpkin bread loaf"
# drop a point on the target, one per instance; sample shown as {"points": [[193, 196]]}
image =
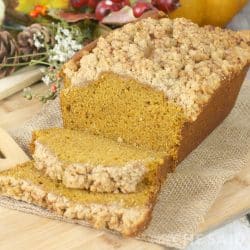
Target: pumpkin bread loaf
{"points": [[158, 84], [149, 92], [84, 161], [124, 213]]}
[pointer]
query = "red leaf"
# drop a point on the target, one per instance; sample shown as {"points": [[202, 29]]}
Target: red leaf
{"points": [[125, 15], [75, 17]]}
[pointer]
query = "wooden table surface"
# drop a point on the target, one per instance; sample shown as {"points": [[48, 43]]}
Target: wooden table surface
{"points": [[24, 231]]}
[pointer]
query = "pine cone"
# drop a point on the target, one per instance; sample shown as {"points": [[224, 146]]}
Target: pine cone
{"points": [[32, 40], [8, 48]]}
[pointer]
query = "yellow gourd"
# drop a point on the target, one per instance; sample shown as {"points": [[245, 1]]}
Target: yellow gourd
{"points": [[27, 5], [215, 12]]}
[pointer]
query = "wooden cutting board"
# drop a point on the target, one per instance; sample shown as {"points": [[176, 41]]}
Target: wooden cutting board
{"points": [[21, 79], [10, 153], [25, 231]]}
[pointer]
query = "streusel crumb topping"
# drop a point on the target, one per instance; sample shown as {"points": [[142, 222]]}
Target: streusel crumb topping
{"points": [[185, 61]]}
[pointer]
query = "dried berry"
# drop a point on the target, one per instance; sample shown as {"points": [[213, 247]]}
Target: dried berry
{"points": [[122, 2], [104, 7], [34, 14], [78, 3], [93, 3], [38, 10], [140, 7], [166, 5], [53, 88], [125, 3], [41, 9]]}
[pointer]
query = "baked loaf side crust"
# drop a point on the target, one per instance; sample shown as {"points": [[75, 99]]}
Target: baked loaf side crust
{"points": [[213, 113], [127, 221]]}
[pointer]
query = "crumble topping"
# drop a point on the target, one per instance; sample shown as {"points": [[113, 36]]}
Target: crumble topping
{"points": [[185, 61]]}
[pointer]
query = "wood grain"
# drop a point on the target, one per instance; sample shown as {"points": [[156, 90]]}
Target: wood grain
{"points": [[15, 110], [33, 232], [25, 231], [20, 80], [11, 153]]}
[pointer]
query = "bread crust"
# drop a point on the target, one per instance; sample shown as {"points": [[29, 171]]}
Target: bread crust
{"points": [[161, 175], [213, 113], [217, 109]]}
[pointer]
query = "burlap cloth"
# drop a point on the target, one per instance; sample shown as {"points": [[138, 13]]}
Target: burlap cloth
{"points": [[187, 194]]}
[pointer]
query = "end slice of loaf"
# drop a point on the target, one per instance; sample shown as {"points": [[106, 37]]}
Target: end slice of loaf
{"points": [[85, 161], [125, 213]]}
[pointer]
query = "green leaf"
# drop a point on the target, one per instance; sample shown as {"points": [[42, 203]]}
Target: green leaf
{"points": [[101, 30]]}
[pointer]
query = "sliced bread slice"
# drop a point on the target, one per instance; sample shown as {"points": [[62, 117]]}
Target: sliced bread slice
{"points": [[124, 213], [85, 161]]}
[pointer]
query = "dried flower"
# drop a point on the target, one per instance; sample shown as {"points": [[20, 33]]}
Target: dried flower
{"points": [[41, 9], [66, 44], [38, 10], [46, 79], [68, 39], [38, 39]]}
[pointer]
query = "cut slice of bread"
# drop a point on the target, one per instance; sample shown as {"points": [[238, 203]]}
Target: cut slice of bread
{"points": [[85, 161], [124, 213]]}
